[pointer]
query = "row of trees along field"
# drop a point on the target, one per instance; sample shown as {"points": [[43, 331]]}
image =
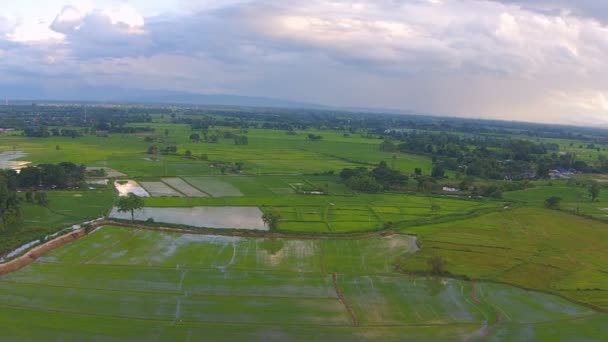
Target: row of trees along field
{"points": [[487, 156], [10, 207]]}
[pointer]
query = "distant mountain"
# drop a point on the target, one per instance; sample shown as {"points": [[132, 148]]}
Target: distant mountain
{"points": [[119, 95], [173, 97]]}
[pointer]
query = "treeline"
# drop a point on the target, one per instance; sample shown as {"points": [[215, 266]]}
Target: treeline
{"points": [[45, 132], [49, 176], [378, 179], [112, 117], [483, 156], [10, 207]]}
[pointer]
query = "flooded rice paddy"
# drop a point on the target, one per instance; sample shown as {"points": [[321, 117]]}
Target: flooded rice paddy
{"points": [[202, 217]]}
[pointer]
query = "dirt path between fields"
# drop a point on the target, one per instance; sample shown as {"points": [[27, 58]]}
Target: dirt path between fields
{"points": [[349, 309], [489, 327], [36, 252]]}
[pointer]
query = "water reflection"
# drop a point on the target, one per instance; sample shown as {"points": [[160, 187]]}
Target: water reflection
{"points": [[202, 217], [130, 187], [7, 160]]}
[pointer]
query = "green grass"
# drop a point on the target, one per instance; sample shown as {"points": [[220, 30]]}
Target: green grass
{"points": [[123, 284], [339, 212], [533, 248], [575, 199], [65, 208], [268, 152]]}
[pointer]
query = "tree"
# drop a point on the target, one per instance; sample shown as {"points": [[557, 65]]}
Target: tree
{"points": [[418, 171], [204, 157], [553, 202], [594, 191], [271, 219], [313, 137], [29, 196], [41, 198], [170, 149], [10, 211], [436, 265], [388, 146], [153, 149], [130, 203], [188, 154], [241, 140], [438, 171], [195, 137]]}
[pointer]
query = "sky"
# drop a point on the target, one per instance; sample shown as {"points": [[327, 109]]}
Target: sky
{"points": [[540, 61]]}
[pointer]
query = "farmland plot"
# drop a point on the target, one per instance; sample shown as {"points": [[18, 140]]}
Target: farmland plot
{"points": [[183, 187], [214, 186], [201, 217], [168, 286], [160, 189], [130, 187]]}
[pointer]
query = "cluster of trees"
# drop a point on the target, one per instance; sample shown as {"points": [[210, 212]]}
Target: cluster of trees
{"points": [[484, 156], [241, 140], [65, 132], [37, 132], [214, 138], [271, 218], [380, 178], [314, 137], [130, 129], [228, 167], [38, 197], [61, 176], [169, 149], [10, 208]]}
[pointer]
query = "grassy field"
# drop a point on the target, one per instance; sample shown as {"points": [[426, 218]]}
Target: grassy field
{"points": [[342, 211], [268, 152], [150, 285], [531, 248], [65, 208], [127, 284], [575, 199]]}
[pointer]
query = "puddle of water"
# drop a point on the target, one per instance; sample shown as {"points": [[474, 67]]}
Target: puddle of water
{"points": [[202, 217], [127, 187], [98, 182], [7, 160]]}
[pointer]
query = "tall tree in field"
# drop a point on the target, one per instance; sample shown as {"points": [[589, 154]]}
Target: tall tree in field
{"points": [[10, 210], [594, 191], [271, 219], [130, 203]]}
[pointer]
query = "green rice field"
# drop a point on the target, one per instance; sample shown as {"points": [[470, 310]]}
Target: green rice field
{"points": [[142, 285]]}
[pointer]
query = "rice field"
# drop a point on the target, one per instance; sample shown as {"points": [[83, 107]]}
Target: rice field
{"points": [[530, 247], [160, 189], [167, 286], [214, 186], [126, 187], [183, 187], [249, 218]]}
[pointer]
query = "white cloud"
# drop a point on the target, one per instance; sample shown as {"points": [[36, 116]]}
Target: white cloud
{"points": [[466, 57]]}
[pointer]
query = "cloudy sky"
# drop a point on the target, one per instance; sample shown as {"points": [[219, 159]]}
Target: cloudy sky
{"points": [[544, 60]]}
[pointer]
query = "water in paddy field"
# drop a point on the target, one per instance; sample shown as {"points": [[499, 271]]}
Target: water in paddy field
{"points": [[7, 160], [202, 217], [130, 187]]}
